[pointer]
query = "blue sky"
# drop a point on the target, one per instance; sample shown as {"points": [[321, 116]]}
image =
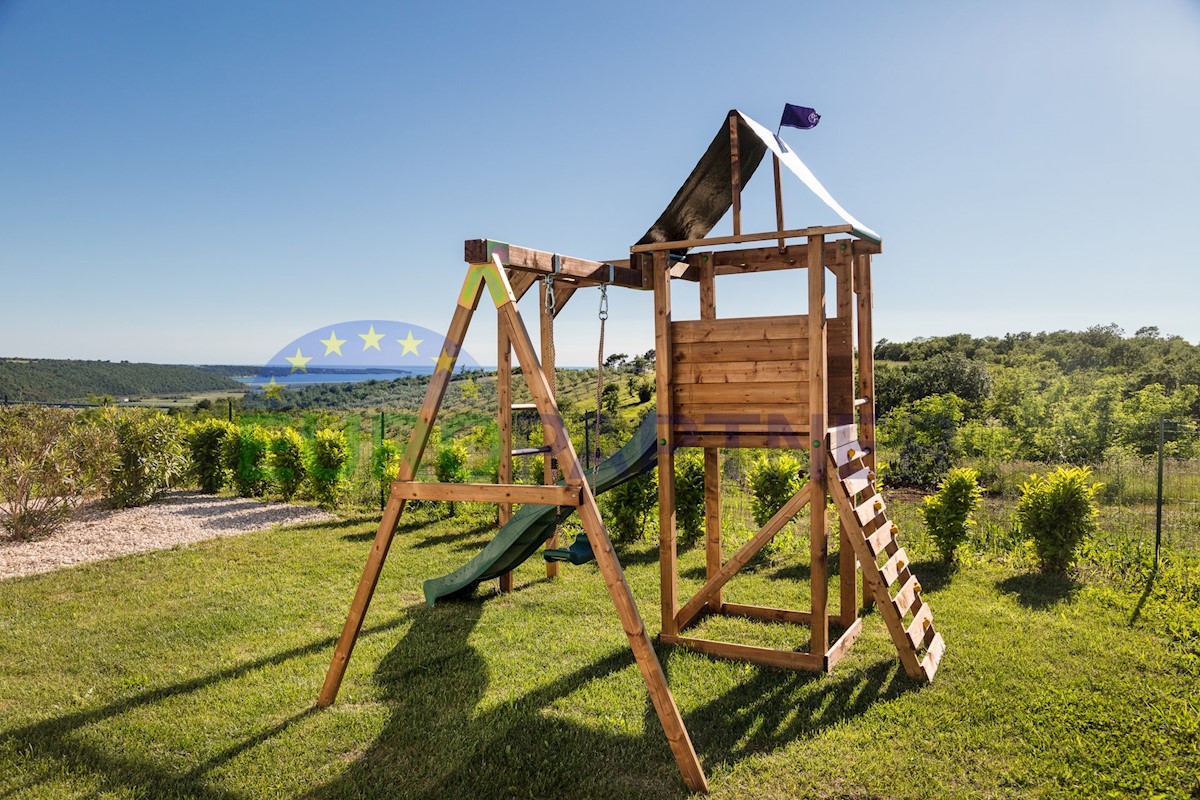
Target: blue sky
{"points": [[207, 181]]}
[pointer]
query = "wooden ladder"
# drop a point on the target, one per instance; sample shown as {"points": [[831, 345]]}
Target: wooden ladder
{"points": [[864, 517]]}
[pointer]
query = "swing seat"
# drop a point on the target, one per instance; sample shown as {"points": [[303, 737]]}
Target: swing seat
{"points": [[580, 552]]}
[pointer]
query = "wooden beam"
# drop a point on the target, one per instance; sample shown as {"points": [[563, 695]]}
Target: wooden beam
{"points": [[742, 557], [735, 174], [842, 645], [487, 493], [818, 397], [468, 300], [847, 562], [767, 614], [504, 470], [778, 200], [606, 558], [712, 455], [664, 357], [786, 659], [481, 251], [797, 233], [865, 344]]}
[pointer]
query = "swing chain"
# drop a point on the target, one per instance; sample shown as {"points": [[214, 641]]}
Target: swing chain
{"points": [[550, 301], [600, 376]]}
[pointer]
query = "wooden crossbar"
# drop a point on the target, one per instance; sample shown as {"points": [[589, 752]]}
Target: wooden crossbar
{"points": [[487, 492]]}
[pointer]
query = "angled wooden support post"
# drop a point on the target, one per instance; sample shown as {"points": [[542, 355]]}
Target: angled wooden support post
{"points": [[468, 300], [606, 557]]}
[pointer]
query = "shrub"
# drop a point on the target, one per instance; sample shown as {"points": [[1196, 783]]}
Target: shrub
{"points": [[327, 457], [46, 465], [627, 506], [645, 391], [1057, 511], [286, 460], [204, 440], [689, 496], [451, 466], [149, 456], [949, 513], [385, 465], [251, 475], [773, 482], [925, 432]]}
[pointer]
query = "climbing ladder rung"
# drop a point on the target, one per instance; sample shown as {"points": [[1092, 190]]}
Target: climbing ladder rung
{"points": [[919, 630], [870, 508], [882, 540], [848, 452], [907, 595], [894, 566], [933, 656], [842, 435], [531, 451], [857, 482]]}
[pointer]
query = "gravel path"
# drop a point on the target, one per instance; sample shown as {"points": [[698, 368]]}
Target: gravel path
{"points": [[97, 533]]}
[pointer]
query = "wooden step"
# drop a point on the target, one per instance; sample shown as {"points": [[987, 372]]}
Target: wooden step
{"points": [[857, 482], [918, 629], [933, 657], [883, 540], [895, 566], [524, 406], [907, 595]]}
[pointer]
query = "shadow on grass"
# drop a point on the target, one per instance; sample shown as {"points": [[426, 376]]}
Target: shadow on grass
{"points": [[440, 743], [1037, 590], [933, 575], [67, 740], [1137, 613]]}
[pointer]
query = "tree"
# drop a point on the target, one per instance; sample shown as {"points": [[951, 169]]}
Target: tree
{"points": [[925, 434]]}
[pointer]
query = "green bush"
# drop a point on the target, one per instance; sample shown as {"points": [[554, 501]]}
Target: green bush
{"points": [[950, 513], [251, 475], [327, 458], [627, 506], [925, 434], [451, 466], [385, 465], [689, 496], [204, 441], [773, 481], [48, 460], [1057, 511], [286, 461], [149, 456]]}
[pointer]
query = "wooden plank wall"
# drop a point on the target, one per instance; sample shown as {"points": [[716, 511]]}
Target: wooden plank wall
{"points": [[745, 380]]}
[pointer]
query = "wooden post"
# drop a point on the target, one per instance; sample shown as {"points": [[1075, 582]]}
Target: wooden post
{"points": [[735, 175], [847, 561], [668, 577], [818, 400], [468, 299], [866, 374], [778, 201], [504, 419], [548, 360], [606, 557], [712, 455]]}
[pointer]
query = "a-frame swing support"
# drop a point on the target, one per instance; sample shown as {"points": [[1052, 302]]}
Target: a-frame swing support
{"points": [[492, 274]]}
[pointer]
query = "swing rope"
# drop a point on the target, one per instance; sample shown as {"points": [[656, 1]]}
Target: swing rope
{"points": [[600, 374]]}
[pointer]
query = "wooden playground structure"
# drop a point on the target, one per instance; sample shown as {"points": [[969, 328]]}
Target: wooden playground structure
{"points": [[779, 382]]}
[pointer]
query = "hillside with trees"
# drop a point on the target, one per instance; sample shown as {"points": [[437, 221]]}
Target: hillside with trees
{"points": [[47, 380], [1061, 397]]}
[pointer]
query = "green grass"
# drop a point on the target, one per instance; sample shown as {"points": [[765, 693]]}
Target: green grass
{"points": [[192, 673]]}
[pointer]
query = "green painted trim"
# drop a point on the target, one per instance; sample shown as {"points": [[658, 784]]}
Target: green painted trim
{"points": [[497, 285], [470, 288]]}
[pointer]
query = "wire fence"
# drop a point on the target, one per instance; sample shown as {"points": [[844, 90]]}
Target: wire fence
{"points": [[1148, 498]]}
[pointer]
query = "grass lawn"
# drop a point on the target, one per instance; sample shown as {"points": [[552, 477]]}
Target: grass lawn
{"points": [[192, 673]]}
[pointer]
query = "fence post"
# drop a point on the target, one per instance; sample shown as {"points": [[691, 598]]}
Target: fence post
{"points": [[1162, 424], [382, 435]]}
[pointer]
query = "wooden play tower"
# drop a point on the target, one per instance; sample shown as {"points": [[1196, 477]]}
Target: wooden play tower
{"points": [[803, 381]]}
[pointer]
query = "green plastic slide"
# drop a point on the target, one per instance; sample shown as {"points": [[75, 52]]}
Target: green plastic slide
{"points": [[533, 524]]}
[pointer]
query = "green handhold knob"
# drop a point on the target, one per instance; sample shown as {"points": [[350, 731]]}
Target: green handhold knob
{"points": [[662, 441], [816, 442]]}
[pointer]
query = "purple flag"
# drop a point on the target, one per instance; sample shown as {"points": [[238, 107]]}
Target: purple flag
{"points": [[799, 117]]}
